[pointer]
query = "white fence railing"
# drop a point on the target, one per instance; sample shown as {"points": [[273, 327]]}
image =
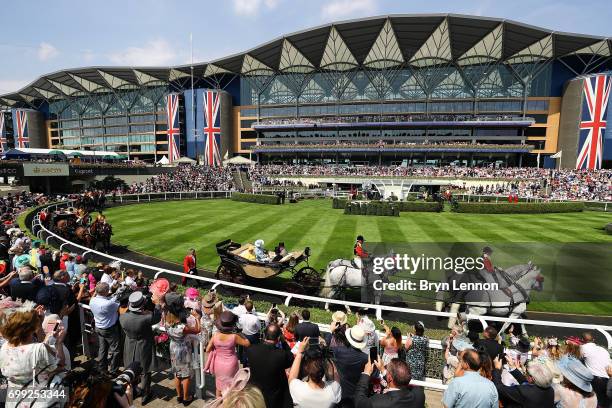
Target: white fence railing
{"points": [[605, 206]]}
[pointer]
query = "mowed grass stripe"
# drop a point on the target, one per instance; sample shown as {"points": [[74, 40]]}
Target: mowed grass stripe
{"points": [[167, 229]]}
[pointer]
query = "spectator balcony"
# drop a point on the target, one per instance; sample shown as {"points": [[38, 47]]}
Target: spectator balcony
{"points": [[396, 148], [394, 122]]}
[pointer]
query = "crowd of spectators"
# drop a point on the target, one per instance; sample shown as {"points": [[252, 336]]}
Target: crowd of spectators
{"points": [[381, 145], [390, 118], [482, 370], [187, 178], [528, 182]]}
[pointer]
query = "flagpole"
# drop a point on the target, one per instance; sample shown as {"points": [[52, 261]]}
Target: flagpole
{"points": [[193, 101]]}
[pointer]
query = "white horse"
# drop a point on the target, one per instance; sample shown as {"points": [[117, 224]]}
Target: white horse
{"points": [[344, 273], [509, 302]]}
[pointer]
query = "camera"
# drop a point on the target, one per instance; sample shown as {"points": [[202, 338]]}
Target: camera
{"points": [[129, 376]]}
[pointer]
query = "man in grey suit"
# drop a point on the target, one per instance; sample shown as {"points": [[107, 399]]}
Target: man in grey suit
{"points": [[139, 341]]}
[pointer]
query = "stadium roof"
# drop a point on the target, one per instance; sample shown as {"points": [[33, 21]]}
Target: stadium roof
{"points": [[376, 43]]}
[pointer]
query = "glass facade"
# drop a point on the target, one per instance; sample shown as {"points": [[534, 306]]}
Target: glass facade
{"points": [[130, 121]]}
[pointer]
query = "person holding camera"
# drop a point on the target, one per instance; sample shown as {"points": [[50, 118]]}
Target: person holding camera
{"points": [[318, 390], [399, 393], [268, 361]]}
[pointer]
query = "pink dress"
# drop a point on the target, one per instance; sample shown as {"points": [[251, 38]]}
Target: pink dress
{"points": [[224, 364]]}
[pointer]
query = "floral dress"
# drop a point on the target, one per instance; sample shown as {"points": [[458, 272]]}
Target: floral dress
{"points": [[180, 351], [416, 356]]}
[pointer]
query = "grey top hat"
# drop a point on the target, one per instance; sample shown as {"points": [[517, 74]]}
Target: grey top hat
{"points": [[136, 301]]}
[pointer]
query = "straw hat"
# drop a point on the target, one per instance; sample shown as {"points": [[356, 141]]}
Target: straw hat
{"points": [[209, 299], [339, 317], [356, 337]]}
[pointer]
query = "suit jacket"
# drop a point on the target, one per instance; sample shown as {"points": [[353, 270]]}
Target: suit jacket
{"points": [[306, 329], [523, 395], [409, 397], [268, 364], [139, 342], [350, 363]]}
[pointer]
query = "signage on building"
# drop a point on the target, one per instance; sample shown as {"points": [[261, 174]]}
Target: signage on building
{"points": [[44, 170]]}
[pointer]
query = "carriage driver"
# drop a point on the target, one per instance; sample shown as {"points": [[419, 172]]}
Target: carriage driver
{"points": [[495, 274], [359, 252]]}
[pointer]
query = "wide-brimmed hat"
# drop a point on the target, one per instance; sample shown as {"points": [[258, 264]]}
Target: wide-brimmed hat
{"points": [[259, 243], [175, 304], [226, 323], [339, 317], [209, 299], [576, 373], [461, 343], [159, 287], [192, 293], [356, 337], [523, 345], [136, 301], [22, 260]]}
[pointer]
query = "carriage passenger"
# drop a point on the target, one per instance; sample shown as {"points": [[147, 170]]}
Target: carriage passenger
{"points": [[261, 254]]}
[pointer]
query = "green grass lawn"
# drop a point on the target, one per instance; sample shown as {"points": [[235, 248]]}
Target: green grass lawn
{"points": [[167, 229]]}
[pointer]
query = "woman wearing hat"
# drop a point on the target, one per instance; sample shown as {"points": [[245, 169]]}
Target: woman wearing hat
{"points": [[222, 358], [575, 391], [180, 349]]}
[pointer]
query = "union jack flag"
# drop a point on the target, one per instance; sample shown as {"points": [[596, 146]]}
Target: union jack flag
{"points": [[592, 127], [21, 124], [174, 131], [3, 140], [212, 129]]}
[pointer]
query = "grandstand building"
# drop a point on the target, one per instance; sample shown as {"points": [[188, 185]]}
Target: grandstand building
{"points": [[419, 89]]}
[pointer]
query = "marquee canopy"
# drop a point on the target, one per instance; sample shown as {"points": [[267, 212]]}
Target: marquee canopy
{"points": [[377, 43]]}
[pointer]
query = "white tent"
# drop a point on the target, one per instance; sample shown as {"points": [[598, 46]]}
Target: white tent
{"points": [[237, 160], [164, 160], [186, 160]]}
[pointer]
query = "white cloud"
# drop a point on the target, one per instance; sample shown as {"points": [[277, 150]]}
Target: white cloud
{"points": [[339, 9], [153, 53], [46, 51], [252, 7], [12, 85]]}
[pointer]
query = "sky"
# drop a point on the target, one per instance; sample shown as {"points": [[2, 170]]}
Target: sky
{"points": [[40, 37]]}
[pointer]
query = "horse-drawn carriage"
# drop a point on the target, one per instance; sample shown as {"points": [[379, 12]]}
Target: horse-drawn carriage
{"points": [[236, 267]]}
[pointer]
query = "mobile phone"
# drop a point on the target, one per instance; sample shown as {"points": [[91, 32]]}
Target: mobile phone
{"points": [[273, 305], [51, 327]]}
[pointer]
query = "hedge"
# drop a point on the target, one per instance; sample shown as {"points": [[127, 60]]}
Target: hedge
{"points": [[517, 208], [608, 228], [339, 203], [256, 198], [420, 206], [375, 208]]}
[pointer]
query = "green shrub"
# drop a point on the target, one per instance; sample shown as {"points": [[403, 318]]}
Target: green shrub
{"points": [[256, 198], [373, 208], [339, 203], [517, 208], [419, 206]]}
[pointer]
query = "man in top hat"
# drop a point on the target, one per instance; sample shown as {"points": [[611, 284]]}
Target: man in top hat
{"points": [[139, 340], [189, 265], [359, 251]]}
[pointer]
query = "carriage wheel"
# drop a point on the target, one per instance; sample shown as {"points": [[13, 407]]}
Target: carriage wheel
{"points": [[229, 274], [308, 278]]}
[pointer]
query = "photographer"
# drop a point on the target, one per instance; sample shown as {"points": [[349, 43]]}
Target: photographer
{"points": [[314, 392], [398, 393], [123, 387]]}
